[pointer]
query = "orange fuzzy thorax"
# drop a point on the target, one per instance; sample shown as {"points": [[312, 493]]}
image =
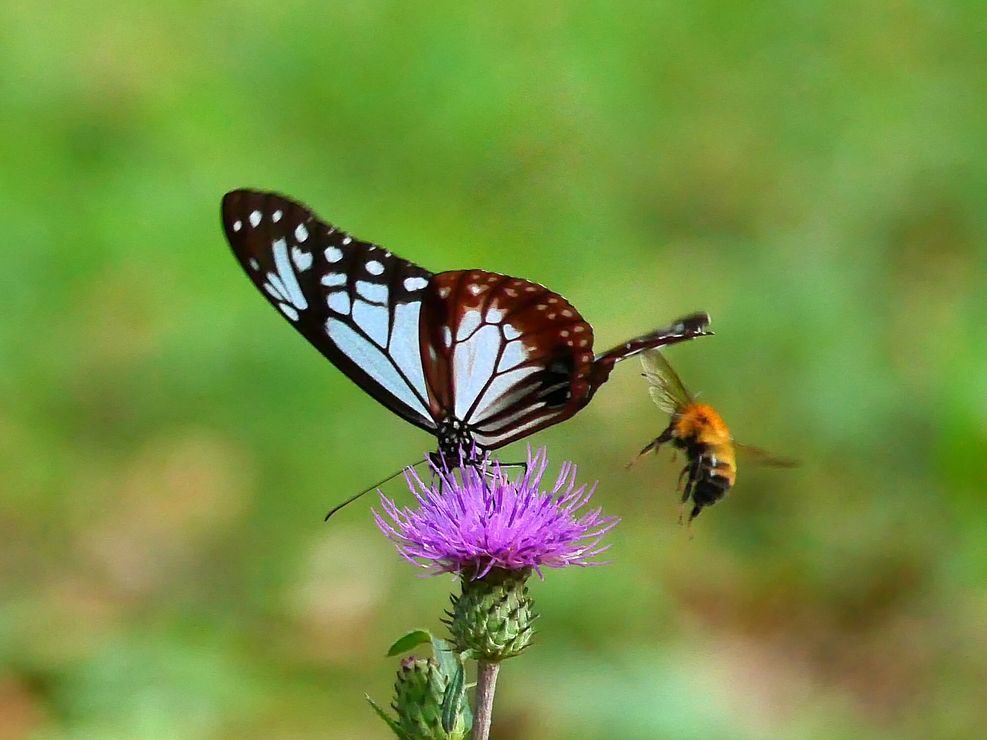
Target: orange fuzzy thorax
{"points": [[700, 423]]}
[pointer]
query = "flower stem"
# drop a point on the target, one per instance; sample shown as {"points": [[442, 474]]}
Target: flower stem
{"points": [[486, 684]]}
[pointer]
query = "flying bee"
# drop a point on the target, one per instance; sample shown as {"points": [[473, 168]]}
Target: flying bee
{"points": [[700, 432]]}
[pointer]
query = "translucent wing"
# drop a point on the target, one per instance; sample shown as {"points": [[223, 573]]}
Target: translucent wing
{"points": [[667, 390], [357, 303], [763, 457]]}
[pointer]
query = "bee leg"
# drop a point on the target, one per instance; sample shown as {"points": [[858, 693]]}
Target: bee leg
{"points": [[652, 446], [686, 493], [689, 472], [678, 486]]}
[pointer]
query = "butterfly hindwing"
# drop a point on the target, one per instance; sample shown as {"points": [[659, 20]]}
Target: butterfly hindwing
{"points": [[511, 354], [357, 303]]}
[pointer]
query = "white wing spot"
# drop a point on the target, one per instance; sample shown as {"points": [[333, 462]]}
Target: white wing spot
{"points": [[254, 264], [301, 233], [372, 291], [468, 324], [510, 332], [510, 292], [237, 225], [293, 290], [446, 336], [331, 279], [255, 218], [579, 328], [374, 267], [373, 320], [276, 216], [272, 291], [289, 311], [334, 254], [347, 239], [339, 302], [444, 291], [514, 354], [474, 288], [567, 313], [375, 364], [564, 333], [541, 306], [504, 390], [472, 367], [530, 289], [494, 315], [405, 345], [414, 283], [301, 258]]}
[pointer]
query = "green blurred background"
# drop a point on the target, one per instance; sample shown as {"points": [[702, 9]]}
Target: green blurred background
{"points": [[812, 174]]}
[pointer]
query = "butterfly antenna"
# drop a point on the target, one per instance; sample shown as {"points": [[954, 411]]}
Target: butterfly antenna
{"points": [[379, 483]]}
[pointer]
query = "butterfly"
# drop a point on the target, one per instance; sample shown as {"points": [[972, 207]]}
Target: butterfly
{"points": [[476, 358]]}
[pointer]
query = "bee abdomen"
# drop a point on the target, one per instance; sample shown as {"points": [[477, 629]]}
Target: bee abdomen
{"points": [[710, 489], [714, 478]]}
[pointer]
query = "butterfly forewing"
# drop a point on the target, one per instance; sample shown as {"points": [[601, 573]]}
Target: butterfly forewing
{"points": [[357, 303]]}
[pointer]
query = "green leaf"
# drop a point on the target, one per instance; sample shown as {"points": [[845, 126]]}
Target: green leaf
{"points": [[387, 718], [452, 699], [445, 656], [460, 659], [409, 641]]}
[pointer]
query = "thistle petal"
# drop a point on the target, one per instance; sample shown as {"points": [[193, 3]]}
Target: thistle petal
{"points": [[475, 519]]}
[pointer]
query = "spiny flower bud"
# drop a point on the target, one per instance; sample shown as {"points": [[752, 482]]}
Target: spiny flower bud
{"points": [[418, 694], [493, 615]]}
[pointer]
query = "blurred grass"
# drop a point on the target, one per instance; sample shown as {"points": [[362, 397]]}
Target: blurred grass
{"points": [[813, 175]]}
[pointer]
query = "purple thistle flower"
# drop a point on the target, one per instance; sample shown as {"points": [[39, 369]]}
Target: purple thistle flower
{"points": [[475, 519]]}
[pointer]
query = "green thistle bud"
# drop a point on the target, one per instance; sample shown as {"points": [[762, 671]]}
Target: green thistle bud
{"points": [[418, 694], [493, 615]]}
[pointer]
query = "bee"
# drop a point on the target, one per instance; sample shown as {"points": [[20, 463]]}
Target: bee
{"points": [[700, 432]]}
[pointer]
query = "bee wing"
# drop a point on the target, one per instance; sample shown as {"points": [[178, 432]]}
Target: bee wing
{"points": [[667, 403], [763, 457], [667, 390]]}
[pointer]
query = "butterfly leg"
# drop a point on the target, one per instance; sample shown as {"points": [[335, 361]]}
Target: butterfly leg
{"points": [[522, 465]]}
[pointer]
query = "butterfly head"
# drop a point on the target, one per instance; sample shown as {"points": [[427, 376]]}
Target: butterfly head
{"points": [[457, 447]]}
